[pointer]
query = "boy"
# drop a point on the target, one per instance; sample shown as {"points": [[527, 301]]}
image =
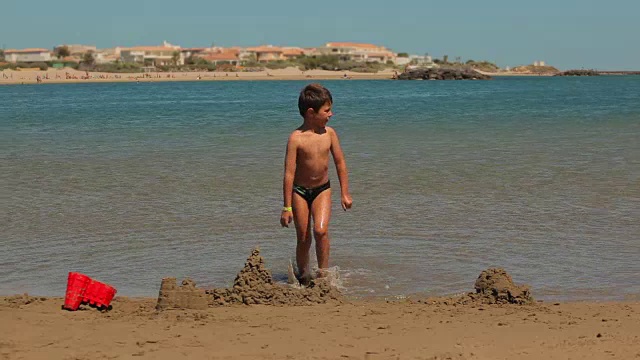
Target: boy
{"points": [[306, 187]]}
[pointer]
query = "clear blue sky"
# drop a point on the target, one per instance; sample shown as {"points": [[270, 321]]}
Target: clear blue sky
{"points": [[564, 33]]}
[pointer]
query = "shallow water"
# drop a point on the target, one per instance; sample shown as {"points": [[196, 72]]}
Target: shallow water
{"points": [[132, 182]]}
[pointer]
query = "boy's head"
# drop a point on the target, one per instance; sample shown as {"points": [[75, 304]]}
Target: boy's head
{"points": [[313, 96]]}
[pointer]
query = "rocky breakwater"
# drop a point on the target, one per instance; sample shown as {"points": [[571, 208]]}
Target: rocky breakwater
{"points": [[442, 74], [578, 73]]}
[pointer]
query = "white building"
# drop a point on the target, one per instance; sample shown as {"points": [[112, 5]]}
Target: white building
{"points": [[27, 55], [357, 52], [166, 54], [402, 60], [107, 56], [420, 61]]}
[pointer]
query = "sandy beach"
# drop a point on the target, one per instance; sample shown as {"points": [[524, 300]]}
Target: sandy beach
{"points": [[68, 75], [258, 319], [37, 328]]}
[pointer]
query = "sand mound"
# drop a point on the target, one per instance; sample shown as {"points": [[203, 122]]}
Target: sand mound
{"points": [[254, 285], [493, 286], [496, 284]]}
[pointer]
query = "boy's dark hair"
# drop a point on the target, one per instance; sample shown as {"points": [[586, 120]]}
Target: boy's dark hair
{"points": [[313, 96]]}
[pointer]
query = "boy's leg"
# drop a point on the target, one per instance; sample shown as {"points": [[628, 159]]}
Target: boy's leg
{"points": [[302, 221], [321, 213]]}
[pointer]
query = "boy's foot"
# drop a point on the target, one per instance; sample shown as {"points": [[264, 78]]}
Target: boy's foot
{"points": [[321, 273], [304, 279]]}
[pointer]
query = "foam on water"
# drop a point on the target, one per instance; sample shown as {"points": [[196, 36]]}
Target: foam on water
{"points": [[331, 274]]}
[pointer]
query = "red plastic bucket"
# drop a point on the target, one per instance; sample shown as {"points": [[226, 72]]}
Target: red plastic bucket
{"points": [[99, 294], [76, 287]]}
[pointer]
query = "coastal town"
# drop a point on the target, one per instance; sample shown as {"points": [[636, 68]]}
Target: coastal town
{"points": [[168, 54], [170, 62]]}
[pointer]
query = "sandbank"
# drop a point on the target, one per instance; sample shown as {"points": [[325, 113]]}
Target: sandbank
{"points": [[68, 75]]}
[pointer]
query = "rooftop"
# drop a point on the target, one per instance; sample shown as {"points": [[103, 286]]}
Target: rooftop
{"points": [[25, 51]]}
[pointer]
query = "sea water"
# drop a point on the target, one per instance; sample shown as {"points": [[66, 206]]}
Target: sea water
{"points": [[129, 183]]}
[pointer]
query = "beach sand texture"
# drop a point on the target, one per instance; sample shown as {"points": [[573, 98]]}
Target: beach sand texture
{"points": [[68, 75], [479, 325], [35, 328]]}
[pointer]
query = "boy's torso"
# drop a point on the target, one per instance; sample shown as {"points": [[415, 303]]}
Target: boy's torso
{"points": [[312, 158]]}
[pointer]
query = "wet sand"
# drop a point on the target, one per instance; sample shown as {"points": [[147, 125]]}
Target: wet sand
{"points": [[37, 328]]}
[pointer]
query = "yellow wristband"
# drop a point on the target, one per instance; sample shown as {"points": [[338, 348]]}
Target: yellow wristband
{"points": [[288, 209]]}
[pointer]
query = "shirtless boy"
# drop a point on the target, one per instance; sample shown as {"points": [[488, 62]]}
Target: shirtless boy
{"points": [[306, 186]]}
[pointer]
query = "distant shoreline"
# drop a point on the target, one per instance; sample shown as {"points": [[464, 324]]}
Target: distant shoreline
{"points": [[514, 73], [68, 76], [71, 76]]}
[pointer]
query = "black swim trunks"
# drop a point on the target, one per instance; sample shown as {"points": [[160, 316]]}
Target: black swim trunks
{"points": [[311, 194]]}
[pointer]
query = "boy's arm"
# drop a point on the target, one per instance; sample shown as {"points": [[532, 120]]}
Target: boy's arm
{"points": [[287, 182], [341, 169]]}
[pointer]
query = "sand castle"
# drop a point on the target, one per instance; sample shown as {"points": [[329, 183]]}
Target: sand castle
{"points": [[253, 285], [187, 296]]}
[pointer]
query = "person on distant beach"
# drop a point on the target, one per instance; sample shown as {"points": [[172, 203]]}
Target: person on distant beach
{"points": [[306, 186]]}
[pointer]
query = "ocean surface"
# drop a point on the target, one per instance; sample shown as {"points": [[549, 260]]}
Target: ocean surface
{"points": [[129, 183]]}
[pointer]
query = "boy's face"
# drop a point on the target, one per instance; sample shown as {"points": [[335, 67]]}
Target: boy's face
{"points": [[321, 118]]}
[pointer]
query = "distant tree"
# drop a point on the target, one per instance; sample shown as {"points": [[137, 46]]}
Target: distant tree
{"points": [[403, 54], [470, 62], [1, 55], [62, 51], [325, 62], [175, 57], [88, 58], [251, 60], [201, 61]]}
